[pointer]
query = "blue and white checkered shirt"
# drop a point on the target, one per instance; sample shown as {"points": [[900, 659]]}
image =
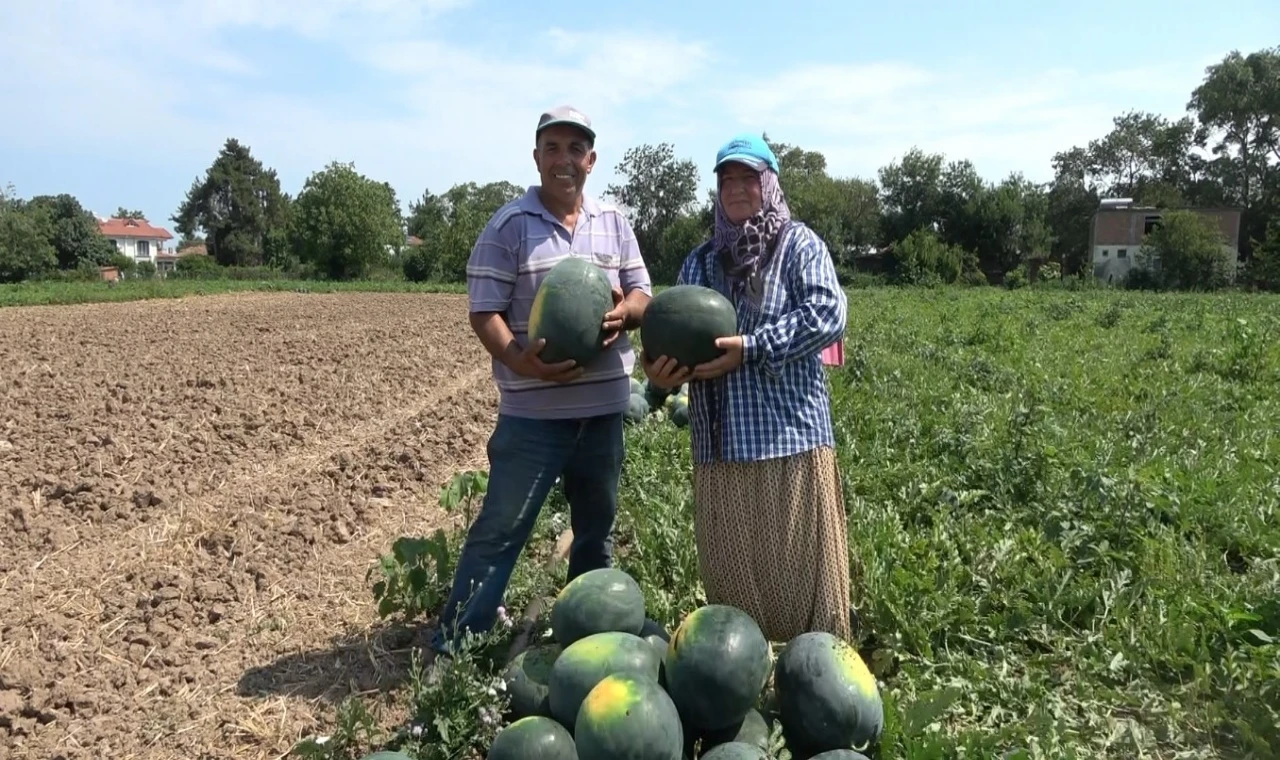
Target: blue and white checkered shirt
{"points": [[777, 403]]}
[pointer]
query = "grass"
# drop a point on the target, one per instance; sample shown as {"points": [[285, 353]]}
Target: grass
{"points": [[1063, 518], [44, 293], [1065, 506]]}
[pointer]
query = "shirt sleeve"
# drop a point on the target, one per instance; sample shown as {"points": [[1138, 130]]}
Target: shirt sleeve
{"points": [[633, 273], [492, 267], [817, 321]]}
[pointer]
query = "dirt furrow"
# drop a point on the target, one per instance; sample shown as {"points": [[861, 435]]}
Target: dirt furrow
{"points": [[220, 622]]}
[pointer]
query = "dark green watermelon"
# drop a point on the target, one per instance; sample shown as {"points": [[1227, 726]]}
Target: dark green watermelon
{"points": [[534, 738], [683, 323], [753, 729], [735, 751], [527, 677], [568, 311], [654, 628], [637, 409], [717, 664], [840, 754], [655, 395], [585, 662], [827, 697], [605, 599], [628, 717]]}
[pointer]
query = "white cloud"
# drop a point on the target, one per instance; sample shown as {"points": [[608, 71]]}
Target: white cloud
{"points": [[431, 108], [862, 117]]}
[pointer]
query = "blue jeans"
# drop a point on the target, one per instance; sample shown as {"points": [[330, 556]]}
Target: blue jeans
{"points": [[525, 457]]}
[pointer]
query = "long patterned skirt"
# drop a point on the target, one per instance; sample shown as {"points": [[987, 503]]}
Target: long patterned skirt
{"points": [[772, 541]]}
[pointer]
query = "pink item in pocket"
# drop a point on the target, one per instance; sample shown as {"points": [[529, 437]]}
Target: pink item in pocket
{"points": [[833, 355]]}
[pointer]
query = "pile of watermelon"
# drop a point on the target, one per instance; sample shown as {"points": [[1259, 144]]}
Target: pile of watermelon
{"points": [[648, 399], [611, 684]]}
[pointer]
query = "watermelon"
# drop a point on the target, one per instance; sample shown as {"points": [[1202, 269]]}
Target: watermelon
{"points": [[753, 729], [839, 754], [652, 627], [533, 738], [568, 311], [637, 387], [586, 661], [386, 754], [637, 409], [680, 411], [657, 636], [655, 395], [604, 599], [526, 677], [827, 697], [735, 751], [683, 323], [628, 717], [717, 665]]}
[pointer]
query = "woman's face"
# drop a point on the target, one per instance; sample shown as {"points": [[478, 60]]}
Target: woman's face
{"points": [[739, 191]]}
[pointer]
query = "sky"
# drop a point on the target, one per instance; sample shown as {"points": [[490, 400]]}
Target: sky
{"points": [[127, 102]]}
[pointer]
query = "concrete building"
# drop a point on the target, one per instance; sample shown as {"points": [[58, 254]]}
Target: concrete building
{"points": [[1119, 227]]}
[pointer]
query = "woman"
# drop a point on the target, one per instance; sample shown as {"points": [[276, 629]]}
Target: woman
{"points": [[769, 514]]}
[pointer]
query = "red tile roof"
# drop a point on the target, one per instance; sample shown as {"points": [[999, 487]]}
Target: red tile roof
{"points": [[136, 228]]}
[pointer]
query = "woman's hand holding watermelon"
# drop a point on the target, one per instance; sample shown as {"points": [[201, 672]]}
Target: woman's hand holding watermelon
{"points": [[730, 360], [663, 372]]}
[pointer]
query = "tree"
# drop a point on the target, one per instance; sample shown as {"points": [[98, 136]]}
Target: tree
{"points": [[240, 208], [343, 222], [1185, 251], [25, 230], [428, 214], [449, 224], [659, 188], [911, 194], [74, 232], [124, 213], [1238, 106], [844, 211]]}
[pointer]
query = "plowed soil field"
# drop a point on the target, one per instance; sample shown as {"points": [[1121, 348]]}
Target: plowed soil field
{"points": [[192, 493]]}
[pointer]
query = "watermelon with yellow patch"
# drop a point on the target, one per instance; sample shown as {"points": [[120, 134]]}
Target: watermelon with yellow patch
{"points": [[827, 697], [604, 599], [680, 411], [587, 661], [568, 311], [717, 665], [627, 716], [533, 738]]}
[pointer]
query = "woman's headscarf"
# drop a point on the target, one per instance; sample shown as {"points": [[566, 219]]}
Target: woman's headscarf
{"points": [[747, 248]]}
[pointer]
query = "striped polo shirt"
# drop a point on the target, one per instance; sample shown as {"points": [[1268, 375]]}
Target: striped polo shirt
{"points": [[519, 245]]}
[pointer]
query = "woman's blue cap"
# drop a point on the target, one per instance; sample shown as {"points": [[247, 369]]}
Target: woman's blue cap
{"points": [[748, 149]]}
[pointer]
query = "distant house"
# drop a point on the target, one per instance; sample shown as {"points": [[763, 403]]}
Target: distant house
{"points": [[167, 261], [135, 238], [1118, 228]]}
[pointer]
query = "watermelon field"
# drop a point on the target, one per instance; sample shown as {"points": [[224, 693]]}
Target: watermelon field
{"points": [[1063, 520]]}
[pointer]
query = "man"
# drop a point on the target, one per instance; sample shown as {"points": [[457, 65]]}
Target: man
{"points": [[554, 420]]}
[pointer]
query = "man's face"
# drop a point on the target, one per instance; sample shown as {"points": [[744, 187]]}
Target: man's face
{"points": [[564, 157]]}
